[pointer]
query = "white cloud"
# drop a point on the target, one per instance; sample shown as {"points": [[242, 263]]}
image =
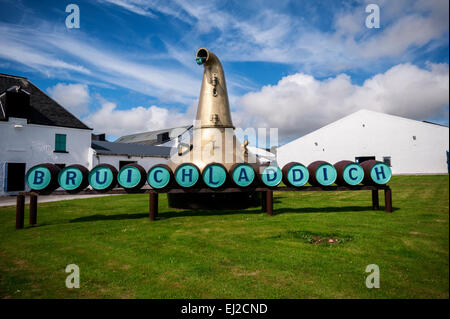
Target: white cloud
{"points": [[13, 49], [74, 97], [133, 6], [300, 103], [112, 121], [146, 8], [412, 30], [281, 35], [36, 48], [276, 35]]}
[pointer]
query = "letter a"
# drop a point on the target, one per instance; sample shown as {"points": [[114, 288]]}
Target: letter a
{"points": [[243, 175], [73, 19], [373, 19], [373, 280], [73, 280]]}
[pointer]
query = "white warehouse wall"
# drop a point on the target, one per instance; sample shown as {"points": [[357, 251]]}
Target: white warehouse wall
{"points": [[34, 144], [145, 161], [369, 133]]}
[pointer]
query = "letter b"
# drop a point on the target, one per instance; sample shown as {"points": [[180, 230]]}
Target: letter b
{"points": [[38, 177]]}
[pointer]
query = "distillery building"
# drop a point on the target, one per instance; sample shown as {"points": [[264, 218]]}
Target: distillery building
{"points": [[408, 146], [35, 129]]}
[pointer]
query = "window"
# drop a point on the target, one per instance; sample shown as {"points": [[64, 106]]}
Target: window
{"points": [[163, 137], [60, 142], [387, 160], [361, 159]]}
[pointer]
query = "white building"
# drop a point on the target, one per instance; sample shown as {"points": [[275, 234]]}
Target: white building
{"points": [[34, 129], [409, 146], [120, 154], [166, 137]]}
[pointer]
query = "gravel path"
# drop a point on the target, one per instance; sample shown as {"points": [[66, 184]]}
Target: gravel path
{"points": [[11, 200]]}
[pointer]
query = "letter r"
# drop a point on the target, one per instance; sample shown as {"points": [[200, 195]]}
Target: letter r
{"points": [[70, 177]]}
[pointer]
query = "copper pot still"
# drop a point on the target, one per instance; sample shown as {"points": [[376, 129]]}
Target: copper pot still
{"points": [[213, 140]]}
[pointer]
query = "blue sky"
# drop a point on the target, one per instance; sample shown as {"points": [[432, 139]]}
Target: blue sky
{"points": [[293, 65]]}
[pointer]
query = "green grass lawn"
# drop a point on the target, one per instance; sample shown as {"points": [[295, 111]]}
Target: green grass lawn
{"points": [[235, 254]]}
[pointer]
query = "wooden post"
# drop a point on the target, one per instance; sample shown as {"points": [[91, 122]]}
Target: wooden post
{"points": [[33, 209], [375, 200], [153, 205], [269, 202], [263, 202], [388, 200], [20, 209]]}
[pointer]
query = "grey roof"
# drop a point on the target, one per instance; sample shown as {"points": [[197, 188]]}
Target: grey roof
{"points": [[428, 122], [43, 109], [151, 138], [113, 148]]}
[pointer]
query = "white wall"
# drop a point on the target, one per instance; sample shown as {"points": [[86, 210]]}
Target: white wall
{"points": [[34, 144], [368, 133], [145, 161]]}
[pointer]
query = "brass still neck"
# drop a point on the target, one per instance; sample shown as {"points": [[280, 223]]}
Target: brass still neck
{"points": [[213, 106]]}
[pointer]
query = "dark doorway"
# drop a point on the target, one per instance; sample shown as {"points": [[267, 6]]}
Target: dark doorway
{"points": [[123, 163], [361, 159], [15, 177]]}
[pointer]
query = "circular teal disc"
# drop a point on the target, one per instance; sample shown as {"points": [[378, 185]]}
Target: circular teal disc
{"points": [[243, 175], [214, 175], [38, 177], [380, 173], [100, 177], [129, 176], [326, 174], [70, 178], [158, 177], [271, 176], [186, 175], [353, 174], [298, 175]]}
